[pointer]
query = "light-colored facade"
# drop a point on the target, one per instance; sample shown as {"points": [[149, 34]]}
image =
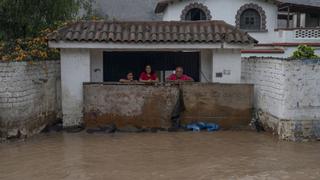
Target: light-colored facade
{"points": [[226, 10], [86, 65], [82, 52], [220, 44], [276, 37]]}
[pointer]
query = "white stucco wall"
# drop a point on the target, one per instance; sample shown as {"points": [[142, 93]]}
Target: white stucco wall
{"points": [[227, 62], [302, 87], [75, 69], [226, 10], [287, 92], [30, 96], [268, 77], [96, 63], [206, 66]]}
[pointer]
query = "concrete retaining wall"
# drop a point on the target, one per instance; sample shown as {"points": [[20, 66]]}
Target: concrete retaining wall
{"points": [[288, 95], [142, 106], [229, 105], [29, 97], [146, 106]]}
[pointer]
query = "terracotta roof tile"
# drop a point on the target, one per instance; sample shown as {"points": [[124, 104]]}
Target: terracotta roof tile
{"points": [[151, 32]]}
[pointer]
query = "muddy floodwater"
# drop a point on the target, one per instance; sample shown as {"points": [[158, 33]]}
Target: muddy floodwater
{"points": [[196, 156]]}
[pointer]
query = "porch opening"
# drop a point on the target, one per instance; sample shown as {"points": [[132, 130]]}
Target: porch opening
{"points": [[117, 64]]}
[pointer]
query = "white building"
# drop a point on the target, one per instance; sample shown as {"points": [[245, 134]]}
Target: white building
{"points": [[102, 51], [279, 26], [206, 37]]}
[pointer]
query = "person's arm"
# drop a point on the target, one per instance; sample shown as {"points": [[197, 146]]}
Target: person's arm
{"points": [[169, 80], [190, 79], [124, 81], [144, 81], [155, 81]]}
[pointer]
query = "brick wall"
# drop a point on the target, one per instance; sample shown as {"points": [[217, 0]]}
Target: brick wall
{"points": [[287, 93], [29, 97]]}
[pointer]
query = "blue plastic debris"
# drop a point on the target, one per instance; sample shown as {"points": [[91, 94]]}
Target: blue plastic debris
{"points": [[193, 127], [212, 127], [196, 127], [201, 125]]}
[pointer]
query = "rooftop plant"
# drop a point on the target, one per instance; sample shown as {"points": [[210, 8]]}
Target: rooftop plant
{"points": [[304, 52]]}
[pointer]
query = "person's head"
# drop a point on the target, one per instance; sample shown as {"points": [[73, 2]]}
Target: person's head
{"points": [[148, 69], [179, 71], [130, 76]]}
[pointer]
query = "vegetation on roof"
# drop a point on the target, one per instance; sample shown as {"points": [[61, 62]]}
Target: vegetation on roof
{"points": [[304, 52]]}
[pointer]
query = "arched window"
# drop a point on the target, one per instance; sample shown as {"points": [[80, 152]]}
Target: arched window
{"points": [[251, 17], [250, 20], [196, 12]]}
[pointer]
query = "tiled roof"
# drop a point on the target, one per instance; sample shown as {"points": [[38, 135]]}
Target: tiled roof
{"points": [[151, 32]]}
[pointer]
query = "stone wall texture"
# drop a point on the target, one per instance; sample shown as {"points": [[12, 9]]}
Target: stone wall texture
{"points": [[287, 95], [30, 96]]}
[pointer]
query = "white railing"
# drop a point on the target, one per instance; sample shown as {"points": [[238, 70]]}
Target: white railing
{"points": [[298, 35], [307, 33]]}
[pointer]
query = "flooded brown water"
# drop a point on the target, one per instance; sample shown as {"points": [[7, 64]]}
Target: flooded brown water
{"points": [[220, 155]]}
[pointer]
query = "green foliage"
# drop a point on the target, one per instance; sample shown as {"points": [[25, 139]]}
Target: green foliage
{"points": [[26, 18], [24, 25], [304, 52], [28, 49]]}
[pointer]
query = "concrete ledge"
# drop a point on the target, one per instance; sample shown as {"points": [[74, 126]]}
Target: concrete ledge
{"points": [[229, 105], [153, 106], [142, 106], [292, 130]]}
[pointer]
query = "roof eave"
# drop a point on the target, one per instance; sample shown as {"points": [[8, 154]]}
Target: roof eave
{"points": [[148, 46]]}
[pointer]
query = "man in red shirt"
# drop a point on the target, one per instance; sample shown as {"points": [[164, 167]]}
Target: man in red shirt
{"points": [[179, 76]]}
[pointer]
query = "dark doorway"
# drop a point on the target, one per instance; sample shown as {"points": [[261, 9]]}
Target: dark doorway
{"points": [[117, 64]]}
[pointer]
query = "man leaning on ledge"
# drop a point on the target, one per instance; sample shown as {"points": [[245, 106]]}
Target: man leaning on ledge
{"points": [[178, 76]]}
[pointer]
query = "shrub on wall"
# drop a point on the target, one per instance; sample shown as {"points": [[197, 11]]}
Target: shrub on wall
{"points": [[304, 52], [28, 49]]}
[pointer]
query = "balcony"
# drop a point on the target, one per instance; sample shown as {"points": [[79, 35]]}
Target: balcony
{"points": [[298, 35]]}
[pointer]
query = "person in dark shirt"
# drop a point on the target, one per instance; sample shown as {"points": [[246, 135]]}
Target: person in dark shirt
{"points": [[129, 78]]}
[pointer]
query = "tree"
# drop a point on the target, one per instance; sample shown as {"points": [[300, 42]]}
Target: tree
{"points": [[26, 18]]}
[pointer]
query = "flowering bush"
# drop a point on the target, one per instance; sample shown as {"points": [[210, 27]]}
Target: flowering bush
{"points": [[28, 49]]}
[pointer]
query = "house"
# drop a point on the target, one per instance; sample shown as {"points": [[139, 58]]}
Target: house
{"points": [[99, 51], [279, 25], [203, 36]]}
